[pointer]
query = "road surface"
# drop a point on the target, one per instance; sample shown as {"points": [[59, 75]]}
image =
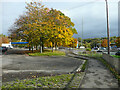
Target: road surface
{"points": [[21, 66]]}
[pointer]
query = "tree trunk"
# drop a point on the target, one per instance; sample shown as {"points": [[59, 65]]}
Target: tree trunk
{"points": [[55, 46], [32, 48], [29, 45], [36, 47], [29, 48], [41, 47], [52, 46]]}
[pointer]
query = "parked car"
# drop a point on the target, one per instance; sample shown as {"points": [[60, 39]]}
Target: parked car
{"points": [[96, 48], [99, 51], [10, 47], [61, 47], [118, 53], [118, 48], [3, 49], [102, 48]]}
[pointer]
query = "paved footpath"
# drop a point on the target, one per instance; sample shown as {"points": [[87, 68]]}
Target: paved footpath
{"points": [[98, 76]]}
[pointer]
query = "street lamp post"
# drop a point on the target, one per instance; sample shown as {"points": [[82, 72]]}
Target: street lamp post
{"points": [[108, 35]]}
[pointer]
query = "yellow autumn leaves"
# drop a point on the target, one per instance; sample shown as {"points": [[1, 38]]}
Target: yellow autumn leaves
{"points": [[48, 27]]}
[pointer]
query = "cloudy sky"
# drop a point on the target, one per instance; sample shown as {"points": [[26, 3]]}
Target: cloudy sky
{"points": [[93, 13]]}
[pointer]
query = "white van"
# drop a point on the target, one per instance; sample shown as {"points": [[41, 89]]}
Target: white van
{"points": [[8, 45]]}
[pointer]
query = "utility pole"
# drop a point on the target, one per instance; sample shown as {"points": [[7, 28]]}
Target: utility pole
{"points": [[108, 35]]}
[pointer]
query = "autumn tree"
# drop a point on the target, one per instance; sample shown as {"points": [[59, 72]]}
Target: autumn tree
{"points": [[74, 43], [40, 25], [29, 26], [94, 43], [3, 39], [104, 43], [117, 42], [88, 45], [60, 28]]}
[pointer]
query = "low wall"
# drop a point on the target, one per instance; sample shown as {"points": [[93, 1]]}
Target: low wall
{"points": [[114, 62]]}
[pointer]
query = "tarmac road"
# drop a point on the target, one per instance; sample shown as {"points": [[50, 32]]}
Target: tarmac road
{"points": [[22, 62], [21, 66]]}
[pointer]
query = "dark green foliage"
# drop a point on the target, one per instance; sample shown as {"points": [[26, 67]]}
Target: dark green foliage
{"points": [[84, 66], [88, 49]]}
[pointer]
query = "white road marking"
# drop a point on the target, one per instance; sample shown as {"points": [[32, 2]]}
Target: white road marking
{"points": [[17, 71]]}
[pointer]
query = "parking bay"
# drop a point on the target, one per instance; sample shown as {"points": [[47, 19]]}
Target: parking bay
{"points": [[22, 67]]}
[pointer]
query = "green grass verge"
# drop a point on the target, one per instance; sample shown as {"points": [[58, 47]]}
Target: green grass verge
{"points": [[58, 81], [75, 83], [115, 56], [48, 53], [84, 66], [92, 55], [99, 57]]}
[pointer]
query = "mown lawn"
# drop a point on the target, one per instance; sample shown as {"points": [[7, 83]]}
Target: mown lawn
{"points": [[48, 53], [58, 81]]}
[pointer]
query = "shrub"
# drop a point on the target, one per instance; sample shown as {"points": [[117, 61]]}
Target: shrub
{"points": [[88, 49]]}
